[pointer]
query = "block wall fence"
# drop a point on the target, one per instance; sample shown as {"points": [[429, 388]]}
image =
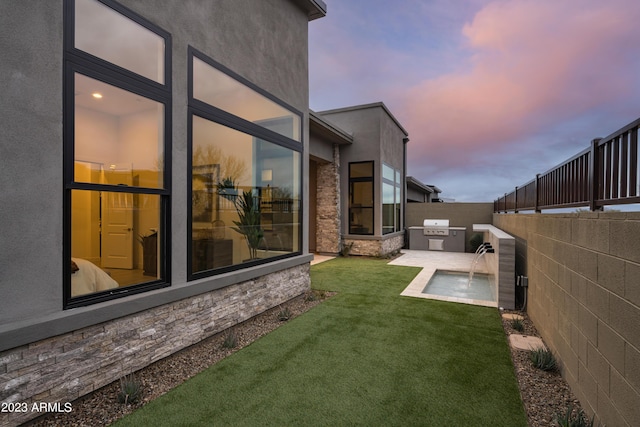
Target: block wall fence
{"points": [[63, 368], [584, 298]]}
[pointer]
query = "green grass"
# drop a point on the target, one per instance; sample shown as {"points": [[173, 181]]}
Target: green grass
{"points": [[365, 357]]}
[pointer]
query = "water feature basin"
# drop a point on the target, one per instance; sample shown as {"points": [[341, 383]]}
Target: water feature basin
{"points": [[455, 284], [430, 263]]}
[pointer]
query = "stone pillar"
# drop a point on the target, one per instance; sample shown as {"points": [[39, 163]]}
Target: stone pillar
{"points": [[328, 209]]}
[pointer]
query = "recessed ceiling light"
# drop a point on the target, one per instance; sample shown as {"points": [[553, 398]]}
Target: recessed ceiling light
{"points": [[96, 95]]}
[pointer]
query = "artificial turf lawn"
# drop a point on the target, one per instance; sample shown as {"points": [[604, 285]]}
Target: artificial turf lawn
{"points": [[367, 356]]}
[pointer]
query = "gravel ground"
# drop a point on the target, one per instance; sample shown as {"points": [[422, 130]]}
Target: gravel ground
{"points": [[544, 394]]}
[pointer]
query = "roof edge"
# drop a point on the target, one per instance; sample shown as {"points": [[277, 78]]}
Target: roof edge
{"points": [[378, 104], [315, 8], [344, 137], [425, 187]]}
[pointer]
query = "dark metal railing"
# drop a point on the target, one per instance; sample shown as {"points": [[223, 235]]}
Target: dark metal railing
{"points": [[606, 173]]}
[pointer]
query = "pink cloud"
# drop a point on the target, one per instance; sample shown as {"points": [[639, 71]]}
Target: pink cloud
{"points": [[534, 64]]}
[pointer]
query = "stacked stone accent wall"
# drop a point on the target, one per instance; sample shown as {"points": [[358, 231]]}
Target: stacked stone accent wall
{"points": [[376, 246], [63, 368], [584, 298], [328, 206], [392, 245]]}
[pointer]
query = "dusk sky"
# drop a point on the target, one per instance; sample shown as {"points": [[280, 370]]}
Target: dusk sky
{"points": [[491, 91]]}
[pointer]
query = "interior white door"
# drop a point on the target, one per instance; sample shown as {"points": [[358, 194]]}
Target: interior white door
{"points": [[117, 223]]}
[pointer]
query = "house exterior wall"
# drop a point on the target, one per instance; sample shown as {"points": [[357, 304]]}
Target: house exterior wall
{"points": [[320, 149], [248, 37], [416, 196], [584, 298], [364, 125], [377, 137]]}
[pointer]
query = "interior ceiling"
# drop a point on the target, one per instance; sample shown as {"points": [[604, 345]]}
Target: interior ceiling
{"points": [[114, 101]]}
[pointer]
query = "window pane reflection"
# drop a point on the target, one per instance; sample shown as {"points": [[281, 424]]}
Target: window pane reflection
{"points": [[222, 91], [245, 200], [114, 240], [105, 33], [391, 197], [361, 198], [118, 130]]}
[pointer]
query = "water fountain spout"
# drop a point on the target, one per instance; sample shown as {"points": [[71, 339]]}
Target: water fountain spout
{"points": [[483, 249]]}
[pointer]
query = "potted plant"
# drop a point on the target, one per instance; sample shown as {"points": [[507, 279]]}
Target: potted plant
{"points": [[228, 189], [248, 223]]}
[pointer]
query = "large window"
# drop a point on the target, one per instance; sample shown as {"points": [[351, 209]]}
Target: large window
{"points": [[361, 198], [116, 152], [391, 199], [246, 168]]}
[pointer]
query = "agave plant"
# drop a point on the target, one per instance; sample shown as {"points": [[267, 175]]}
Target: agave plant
{"points": [[130, 390], [543, 359]]}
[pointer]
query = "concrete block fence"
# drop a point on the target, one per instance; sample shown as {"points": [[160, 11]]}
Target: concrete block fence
{"points": [[584, 298]]}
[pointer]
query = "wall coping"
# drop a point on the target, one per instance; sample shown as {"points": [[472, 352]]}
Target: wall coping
{"points": [[492, 229]]}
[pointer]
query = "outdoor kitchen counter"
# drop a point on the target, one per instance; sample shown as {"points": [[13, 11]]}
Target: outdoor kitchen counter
{"points": [[453, 242], [418, 227]]}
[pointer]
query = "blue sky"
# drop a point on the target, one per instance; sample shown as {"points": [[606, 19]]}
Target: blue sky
{"points": [[491, 91]]}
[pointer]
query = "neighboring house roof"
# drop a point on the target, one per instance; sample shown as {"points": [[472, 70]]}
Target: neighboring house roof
{"points": [[328, 130], [365, 106], [315, 8], [418, 185]]}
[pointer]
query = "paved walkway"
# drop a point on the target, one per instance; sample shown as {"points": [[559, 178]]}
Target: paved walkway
{"points": [[317, 259]]}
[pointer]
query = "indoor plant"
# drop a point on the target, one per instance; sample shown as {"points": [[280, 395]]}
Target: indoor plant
{"points": [[248, 223]]}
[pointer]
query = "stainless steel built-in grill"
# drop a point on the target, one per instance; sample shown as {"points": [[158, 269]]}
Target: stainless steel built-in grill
{"points": [[436, 227], [437, 235]]}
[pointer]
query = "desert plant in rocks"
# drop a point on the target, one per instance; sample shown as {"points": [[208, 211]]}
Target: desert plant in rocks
{"points": [[573, 418], [230, 339], [518, 325], [284, 314], [130, 390], [315, 295], [543, 359]]}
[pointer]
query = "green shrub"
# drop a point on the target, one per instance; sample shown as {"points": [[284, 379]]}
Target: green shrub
{"points": [[230, 339], [518, 325], [475, 241], [315, 295], [284, 315], [130, 390], [543, 359], [574, 419], [346, 249]]}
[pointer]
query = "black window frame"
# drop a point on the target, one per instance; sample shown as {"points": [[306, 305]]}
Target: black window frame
{"points": [[373, 196], [397, 191], [207, 111], [77, 61]]}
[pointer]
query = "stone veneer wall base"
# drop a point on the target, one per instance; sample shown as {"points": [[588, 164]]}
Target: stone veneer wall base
{"points": [[374, 247], [63, 368]]}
